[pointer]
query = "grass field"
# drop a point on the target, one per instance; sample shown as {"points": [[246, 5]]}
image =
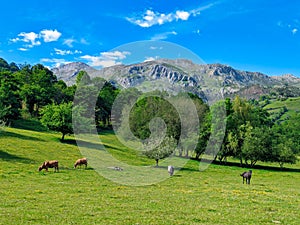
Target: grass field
{"points": [[214, 196]]}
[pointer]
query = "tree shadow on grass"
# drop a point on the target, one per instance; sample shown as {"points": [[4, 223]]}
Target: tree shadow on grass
{"points": [[28, 124], [88, 144], [260, 167], [19, 136], [14, 158]]}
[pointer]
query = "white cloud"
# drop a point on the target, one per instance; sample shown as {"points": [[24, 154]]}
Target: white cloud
{"points": [[55, 62], [106, 59], [155, 47], [69, 42], [150, 58], [32, 39], [295, 30], [183, 15], [23, 49], [151, 18], [50, 35], [163, 36], [83, 41], [66, 52]]}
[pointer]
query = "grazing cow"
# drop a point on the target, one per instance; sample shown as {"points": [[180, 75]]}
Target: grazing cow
{"points": [[80, 162], [247, 176], [49, 164], [171, 170]]}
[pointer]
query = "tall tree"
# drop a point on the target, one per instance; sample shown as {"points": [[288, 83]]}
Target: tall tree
{"points": [[58, 118], [37, 86]]}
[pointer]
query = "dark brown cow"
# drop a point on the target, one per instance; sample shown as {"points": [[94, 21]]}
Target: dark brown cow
{"points": [[247, 176], [49, 164], [80, 162]]}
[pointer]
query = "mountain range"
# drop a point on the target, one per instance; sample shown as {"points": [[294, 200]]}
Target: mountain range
{"points": [[209, 81]]}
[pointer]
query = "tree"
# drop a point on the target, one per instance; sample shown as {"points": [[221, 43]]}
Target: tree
{"points": [[150, 107], [37, 87], [257, 145], [285, 154], [285, 143], [58, 118], [156, 150], [83, 78], [10, 103], [242, 115], [105, 101]]}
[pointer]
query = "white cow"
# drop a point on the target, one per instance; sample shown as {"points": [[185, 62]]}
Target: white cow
{"points": [[171, 170]]}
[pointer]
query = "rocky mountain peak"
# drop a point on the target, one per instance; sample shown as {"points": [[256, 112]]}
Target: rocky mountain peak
{"points": [[205, 80], [68, 72]]}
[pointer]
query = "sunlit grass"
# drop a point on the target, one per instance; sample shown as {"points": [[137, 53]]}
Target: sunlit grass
{"points": [[214, 196]]}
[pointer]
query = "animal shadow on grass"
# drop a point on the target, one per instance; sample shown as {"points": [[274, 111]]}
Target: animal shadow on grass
{"points": [[11, 157]]}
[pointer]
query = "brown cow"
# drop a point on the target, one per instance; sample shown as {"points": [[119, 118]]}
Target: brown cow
{"points": [[80, 162], [49, 164]]}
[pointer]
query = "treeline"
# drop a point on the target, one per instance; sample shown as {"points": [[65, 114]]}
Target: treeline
{"points": [[34, 92], [250, 135]]}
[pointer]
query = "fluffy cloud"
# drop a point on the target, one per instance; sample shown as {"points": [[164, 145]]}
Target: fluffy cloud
{"points": [[106, 59], [50, 35], [151, 18], [183, 15], [32, 39], [66, 52]]}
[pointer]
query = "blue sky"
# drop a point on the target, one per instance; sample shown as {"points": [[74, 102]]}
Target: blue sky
{"points": [[253, 35]]}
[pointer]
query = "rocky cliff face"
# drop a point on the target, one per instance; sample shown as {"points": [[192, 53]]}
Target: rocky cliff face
{"points": [[209, 81]]}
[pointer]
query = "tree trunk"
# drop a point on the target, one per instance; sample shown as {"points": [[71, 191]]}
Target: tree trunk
{"points": [[156, 160], [180, 152], [187, 153], [241, 162], [63, 137]]}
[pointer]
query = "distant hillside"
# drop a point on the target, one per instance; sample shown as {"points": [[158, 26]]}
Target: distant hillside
{"points": [[68, 72], [288, 79], [281, 109], [207, 80]]}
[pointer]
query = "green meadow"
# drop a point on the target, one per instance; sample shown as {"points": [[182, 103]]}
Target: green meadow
{"points": [[82, 196], [291, 104]]}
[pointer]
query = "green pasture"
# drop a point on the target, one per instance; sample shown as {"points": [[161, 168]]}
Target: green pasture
{"points": [[292, 105], [82, 196]]}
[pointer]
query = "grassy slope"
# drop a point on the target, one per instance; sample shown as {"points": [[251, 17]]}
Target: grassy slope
{"points": [[214, 196], [292, 104]]}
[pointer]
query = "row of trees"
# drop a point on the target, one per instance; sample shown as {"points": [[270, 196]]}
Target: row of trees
{"points": [[252, 136]]}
